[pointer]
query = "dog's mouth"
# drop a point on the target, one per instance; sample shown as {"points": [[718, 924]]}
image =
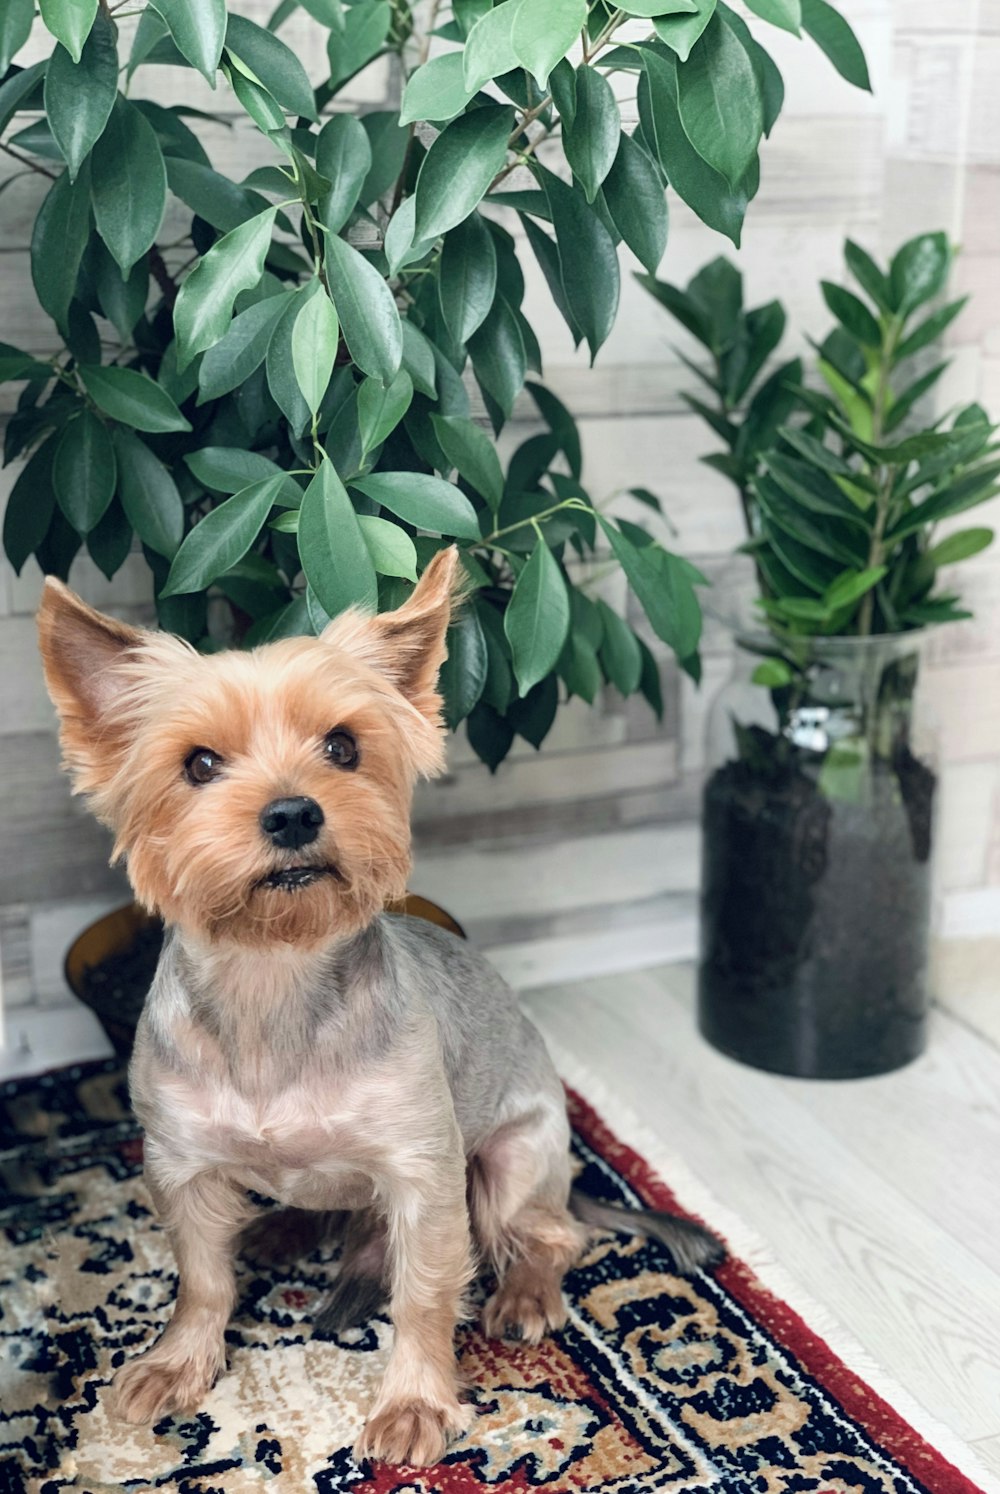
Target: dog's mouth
{"points": [[293, 878]]}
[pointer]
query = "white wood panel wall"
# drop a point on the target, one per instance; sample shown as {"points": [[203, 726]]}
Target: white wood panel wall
{"points": [[924, 152]]}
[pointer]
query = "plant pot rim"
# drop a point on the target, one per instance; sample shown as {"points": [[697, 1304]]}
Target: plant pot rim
{"points": [[833, 645]]}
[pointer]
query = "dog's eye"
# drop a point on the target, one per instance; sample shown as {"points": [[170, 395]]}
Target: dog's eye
{"points": [[340, 748], [202, 765]]}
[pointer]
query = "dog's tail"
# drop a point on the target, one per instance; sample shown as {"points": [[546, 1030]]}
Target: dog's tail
{"points": [[691, 1245]]}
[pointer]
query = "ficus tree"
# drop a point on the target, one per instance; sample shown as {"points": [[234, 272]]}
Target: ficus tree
{"points": [[276, 407]]}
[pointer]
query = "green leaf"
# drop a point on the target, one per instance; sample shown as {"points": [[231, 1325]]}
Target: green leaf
{"points": [[315, 335], [59, 237], [457, 171], [620, 653], [470, 450], [490, 734], [634, 196], [588, 261], [362, 38], [852, 314], [772, 673], [225, 469], [84, 472], [392, 551], [222, 203], [664, 590], [426, 502], [919, 270], [272, 64], [133, 398], [230, 362], [833, 35], [489, 49], [784, 13], [543, 31], [128, 184], [30, 506], [148, 494], [19, 87], [904, 402], [705, 190], [381, 407], [16, 17], [930, 329], [533, 716], [436, 90], [680, 32], [367, 310], [959, 546], [222, 537], [467, 277], [719, 101], [198, 27], [79, 96], [69, 21], [498, 357], [653, 8], [332, 547], [204, 304], [280, 365], [868, 275], [344, 157], [110, 540], [463, 673], [855, 404], [851, 587], [537, 618], [591, 138], [562, 425]]}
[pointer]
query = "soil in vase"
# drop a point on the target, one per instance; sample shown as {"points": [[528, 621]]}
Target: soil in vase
{"points": [[815, 919]]}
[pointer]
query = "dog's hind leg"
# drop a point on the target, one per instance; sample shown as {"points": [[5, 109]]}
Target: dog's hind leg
{"points": [[289, 1234], [362, 1284], [519, 1182]]}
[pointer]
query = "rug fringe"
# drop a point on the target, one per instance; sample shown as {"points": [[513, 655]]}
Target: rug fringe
{"points": [[748, 1246]]}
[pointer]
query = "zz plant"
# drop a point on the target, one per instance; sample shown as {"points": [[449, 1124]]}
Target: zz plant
{"points": [[276, 405]]}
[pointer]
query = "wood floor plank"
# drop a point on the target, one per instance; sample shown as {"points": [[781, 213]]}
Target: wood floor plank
{"points": [[918, 1300], [987, 1450]]}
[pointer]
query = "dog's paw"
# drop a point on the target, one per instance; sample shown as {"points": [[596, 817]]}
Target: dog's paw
{"points": [[524, 1310], [412, 1432], [150, 1387]]}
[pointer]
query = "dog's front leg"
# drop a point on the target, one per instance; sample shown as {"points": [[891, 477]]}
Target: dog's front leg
{"points": [[417, 1408], [203, 1218]]}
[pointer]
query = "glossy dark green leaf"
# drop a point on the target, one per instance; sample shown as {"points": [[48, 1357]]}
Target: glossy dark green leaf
{"points": [[649, 680], [79, 96], [128, 184], [637, 202], [392, 550], [561, 423], [273, 64], [69, 21], [425, 502], [59, 237], [620, 654], [784, 13], [833, 35], [546, 252], [489, 50], [467, 277], [280, 365], [919, 270], [498, 358], [198, 27], [681, 32], [222, 203], [368, 315], [907, 398], [344, 156], [222, 537], [84, 471], [122, 298], [499, 689], [591, 139], [852, 313], [18, 88], [470, 450], [663, 588], [204, 304], [537, 618], [588, 261], [456, 172], [961, 545], [930, 329], [332, 548], [436, 90], [388, 144], [225, 469], [579, 668], [110, 540], [148, 494], [30, 506], [719, 101], [532, 717], [490, 735], [868, 275], [230, 362], [543, 31], [315, 335], [361, 39], [16, 17], [133, 398], [463, 673], [381, 407]]}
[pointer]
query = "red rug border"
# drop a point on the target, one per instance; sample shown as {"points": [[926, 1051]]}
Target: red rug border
{"points": [[863, 1404]]}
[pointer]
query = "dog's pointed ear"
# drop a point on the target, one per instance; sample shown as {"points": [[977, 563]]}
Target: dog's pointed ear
{"points": [[82, 654], [408, 645]]}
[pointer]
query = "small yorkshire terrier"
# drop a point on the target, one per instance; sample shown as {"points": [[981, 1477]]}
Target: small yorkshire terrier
{"points": [[354, 1065]]}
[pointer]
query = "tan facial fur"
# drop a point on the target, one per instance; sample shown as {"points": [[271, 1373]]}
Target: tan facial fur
{"points": [[134, 704]]}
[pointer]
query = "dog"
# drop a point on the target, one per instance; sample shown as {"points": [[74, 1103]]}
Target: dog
{"points": [[298, 1040]]}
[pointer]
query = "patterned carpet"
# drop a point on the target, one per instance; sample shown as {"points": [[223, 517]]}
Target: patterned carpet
{"points": [[657, 1383]]}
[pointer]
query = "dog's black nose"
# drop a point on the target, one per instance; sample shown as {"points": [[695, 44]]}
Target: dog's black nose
{"points": [[291, 823]]}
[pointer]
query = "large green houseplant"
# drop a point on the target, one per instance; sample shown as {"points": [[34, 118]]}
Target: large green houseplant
{"points": [[274, 404], [819, 815]]}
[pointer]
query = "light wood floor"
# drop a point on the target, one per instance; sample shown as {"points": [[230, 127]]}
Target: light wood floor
{"points": [[881, 1196]]}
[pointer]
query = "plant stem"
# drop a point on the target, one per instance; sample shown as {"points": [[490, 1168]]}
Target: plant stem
{"points": [[27, 161], [886, 475], [536, 519]]}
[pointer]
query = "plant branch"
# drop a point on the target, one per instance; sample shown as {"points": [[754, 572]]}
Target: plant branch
{"points": [[163, 277], [27, 161]]}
